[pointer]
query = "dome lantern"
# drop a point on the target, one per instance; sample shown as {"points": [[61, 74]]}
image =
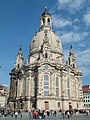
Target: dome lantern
{"points": [[46, 20]]}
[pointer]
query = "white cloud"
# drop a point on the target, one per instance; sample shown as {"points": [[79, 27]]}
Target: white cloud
{"points": [[81, 45], [86, 18], [75, 31], [73, 37], [76, 28], [72, 4], [66, 54], [85, 71], [83, 57], [76, 20], [60, 22], [83, 60]]}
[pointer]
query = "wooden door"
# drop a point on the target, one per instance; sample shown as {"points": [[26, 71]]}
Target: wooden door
{"points": [[46, 105]]}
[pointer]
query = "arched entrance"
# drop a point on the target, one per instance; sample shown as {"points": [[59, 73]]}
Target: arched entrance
{"points": [[46, 104]]}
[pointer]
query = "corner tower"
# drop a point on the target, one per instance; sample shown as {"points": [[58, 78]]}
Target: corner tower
{"points": [[19, 59], [72, 59]]}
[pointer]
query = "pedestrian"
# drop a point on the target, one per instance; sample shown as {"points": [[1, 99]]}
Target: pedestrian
{"points": [[87, 111], [55, 113], [36, 114], [30, 113], [48, 113], [40, 114], [45, 114], [21, 115], [63, 114], [16, 114], [68, 114]]}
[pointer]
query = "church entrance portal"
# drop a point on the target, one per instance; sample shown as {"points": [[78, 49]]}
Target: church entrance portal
{"points": [[46, 105]]}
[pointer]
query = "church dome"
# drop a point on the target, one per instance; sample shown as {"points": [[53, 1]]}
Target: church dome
{"points": [[52, 38]]}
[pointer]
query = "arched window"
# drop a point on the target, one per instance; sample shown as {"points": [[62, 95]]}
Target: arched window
{"points": [[77, 105], [57, 82], [75, 88], [24, 87], [43, 21], [58, 104], [57, 87], [68, 88], [46, 85], [48, 21]]}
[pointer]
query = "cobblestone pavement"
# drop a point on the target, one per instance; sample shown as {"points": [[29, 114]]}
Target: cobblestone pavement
{"points": [[58, 117]]}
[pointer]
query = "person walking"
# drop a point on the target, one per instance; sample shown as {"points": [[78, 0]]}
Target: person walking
{"points": [[63, 114], [21, 115], [68, 114], [30, 113], [16, 114]]}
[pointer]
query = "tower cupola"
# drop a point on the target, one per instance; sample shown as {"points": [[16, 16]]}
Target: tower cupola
{"points": [[46, 20]]}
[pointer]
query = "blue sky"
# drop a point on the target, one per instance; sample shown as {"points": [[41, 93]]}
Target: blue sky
{"points": [[20, 19]]}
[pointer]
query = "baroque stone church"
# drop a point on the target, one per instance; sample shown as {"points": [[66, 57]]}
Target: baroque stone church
{"points": [[45, 81]]}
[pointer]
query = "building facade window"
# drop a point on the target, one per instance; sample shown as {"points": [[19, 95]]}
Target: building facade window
{"points": [[48, 21], [58, 104], [57, 87], [46, 55], [77, 105], [24, 87], [68, 88], [43, 21], [46, 85], [75, 89]]}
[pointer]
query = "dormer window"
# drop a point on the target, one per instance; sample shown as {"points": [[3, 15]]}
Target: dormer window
{"points": [[46, 55]]}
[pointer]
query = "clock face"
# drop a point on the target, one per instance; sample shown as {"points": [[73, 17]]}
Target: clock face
{"points": [[46, 66]]}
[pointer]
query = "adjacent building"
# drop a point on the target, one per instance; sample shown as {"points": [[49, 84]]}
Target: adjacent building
{"points": [[4, 93], [45, 81], [86, 96]]}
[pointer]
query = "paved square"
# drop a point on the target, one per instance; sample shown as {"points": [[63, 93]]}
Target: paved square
{"points": [[25, 116]]}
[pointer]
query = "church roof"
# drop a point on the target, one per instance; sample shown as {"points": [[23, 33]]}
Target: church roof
{"points": [[52, 38]]}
